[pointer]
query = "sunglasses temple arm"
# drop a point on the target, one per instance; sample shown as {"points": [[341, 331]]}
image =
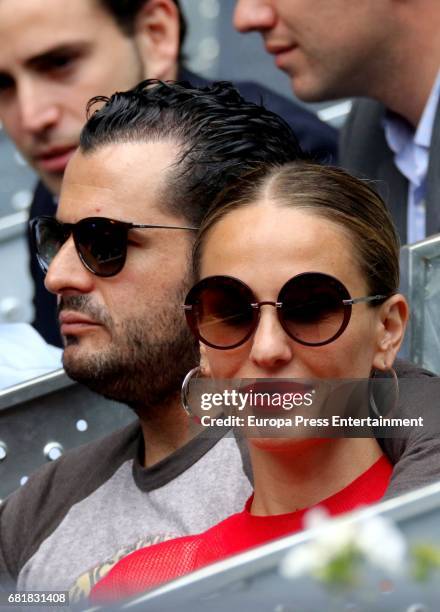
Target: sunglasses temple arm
{"points": [[176, 227], [361, 300]]}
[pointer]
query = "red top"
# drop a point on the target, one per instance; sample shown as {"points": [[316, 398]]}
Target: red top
{"points": [[149, 567]]}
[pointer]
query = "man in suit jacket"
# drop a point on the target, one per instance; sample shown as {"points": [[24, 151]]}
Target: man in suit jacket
{"points": [[54, 58], [364, 150], [387, 51]]}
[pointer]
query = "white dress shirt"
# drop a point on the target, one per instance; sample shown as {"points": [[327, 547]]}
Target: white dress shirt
{"points": [[411, 156]]}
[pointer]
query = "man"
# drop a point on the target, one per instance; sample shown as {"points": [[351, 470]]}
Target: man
{"points": [[54, 58], [388, 51], [157, 156]]}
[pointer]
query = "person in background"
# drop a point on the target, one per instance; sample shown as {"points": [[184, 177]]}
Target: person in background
{"points": [[298, 276], [55, 57], [387, 53]]}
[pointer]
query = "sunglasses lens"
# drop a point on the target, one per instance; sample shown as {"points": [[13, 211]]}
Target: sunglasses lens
{"points": [[48, 237], [221, 314], [312, 311], [102, 245]]}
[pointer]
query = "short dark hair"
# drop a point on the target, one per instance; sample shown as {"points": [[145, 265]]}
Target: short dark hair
{"points": [[220, 135], [125, 12]]}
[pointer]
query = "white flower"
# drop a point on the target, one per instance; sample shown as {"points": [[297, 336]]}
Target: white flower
{"points": [[382, 544], [311, 557], [376, 539], [316, 517], [301, 561]]}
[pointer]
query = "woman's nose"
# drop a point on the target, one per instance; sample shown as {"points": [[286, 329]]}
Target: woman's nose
{"points": [[271, 346]]}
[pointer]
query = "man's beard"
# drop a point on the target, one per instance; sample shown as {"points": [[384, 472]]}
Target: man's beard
{"points": [[146, 361]]}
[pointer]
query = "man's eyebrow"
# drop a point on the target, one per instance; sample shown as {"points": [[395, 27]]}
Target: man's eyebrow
{"points": [[41, 59]]}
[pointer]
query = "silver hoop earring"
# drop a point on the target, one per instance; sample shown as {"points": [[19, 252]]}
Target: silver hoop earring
{"points": [[375, 409], [184, 391]]}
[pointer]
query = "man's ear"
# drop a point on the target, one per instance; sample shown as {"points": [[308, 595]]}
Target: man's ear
{"points": [[393, 319], [157, 32]]}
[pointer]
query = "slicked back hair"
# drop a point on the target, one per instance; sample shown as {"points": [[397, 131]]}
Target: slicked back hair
{"points": [[125, 12], [329, 193], [219, 136]]}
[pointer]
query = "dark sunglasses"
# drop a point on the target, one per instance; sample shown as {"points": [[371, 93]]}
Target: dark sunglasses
{"points": [[101, 243], [313, 309]]}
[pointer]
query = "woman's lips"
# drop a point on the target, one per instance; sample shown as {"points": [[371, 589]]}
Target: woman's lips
{"points": [[55, 160]]}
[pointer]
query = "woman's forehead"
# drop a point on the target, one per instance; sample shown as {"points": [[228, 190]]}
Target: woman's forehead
{"points": [[279, 241]]}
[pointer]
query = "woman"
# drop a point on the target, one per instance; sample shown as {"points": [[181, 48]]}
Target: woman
{"points": [[298, 270]]}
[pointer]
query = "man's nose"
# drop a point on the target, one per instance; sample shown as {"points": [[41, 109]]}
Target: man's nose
{"points": [[66, 274], [271, 346], [252, 15], [38, 109]]}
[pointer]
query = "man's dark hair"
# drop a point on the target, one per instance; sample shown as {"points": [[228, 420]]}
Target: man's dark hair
{"points": [[221, 136], [126, 11]]}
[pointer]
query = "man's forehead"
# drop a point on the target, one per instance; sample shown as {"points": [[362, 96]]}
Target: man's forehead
{"points": [[119, 180]]}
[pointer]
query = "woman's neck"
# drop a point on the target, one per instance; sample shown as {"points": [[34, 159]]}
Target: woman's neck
{"points": [[290, 477]]}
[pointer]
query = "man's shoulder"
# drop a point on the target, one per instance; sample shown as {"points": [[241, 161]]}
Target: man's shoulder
{"points": [[415, 455], [367, 109], [96, 460], [32, 512], [407, 369], [362, 135]]}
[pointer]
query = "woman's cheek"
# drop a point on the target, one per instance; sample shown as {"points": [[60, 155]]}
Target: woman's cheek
{"points": [[226, 364]]}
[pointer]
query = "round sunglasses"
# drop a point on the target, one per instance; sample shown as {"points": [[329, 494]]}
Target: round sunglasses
{"points": [[313, 309], [101, 243]]}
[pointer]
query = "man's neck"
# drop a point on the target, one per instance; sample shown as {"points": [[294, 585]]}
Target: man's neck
{"points": [[406, 76], [303, 474], [166, 429], [409, 94]]}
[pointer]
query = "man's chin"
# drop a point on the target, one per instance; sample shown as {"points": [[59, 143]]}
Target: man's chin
{"points": [[74, 361], [88, 369], [305, 91], [81, 361], [313, 87], [101, 373]]}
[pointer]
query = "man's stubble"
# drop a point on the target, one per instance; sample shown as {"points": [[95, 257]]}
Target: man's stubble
{"points": [[147, 357]]}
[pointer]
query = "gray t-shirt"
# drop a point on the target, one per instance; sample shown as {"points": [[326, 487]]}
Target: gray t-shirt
{"points": [[78, 516]]}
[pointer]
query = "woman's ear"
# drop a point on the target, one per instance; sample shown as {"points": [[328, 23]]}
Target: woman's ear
{"points": [[205, 370], [157, 37], [393, 315]]}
